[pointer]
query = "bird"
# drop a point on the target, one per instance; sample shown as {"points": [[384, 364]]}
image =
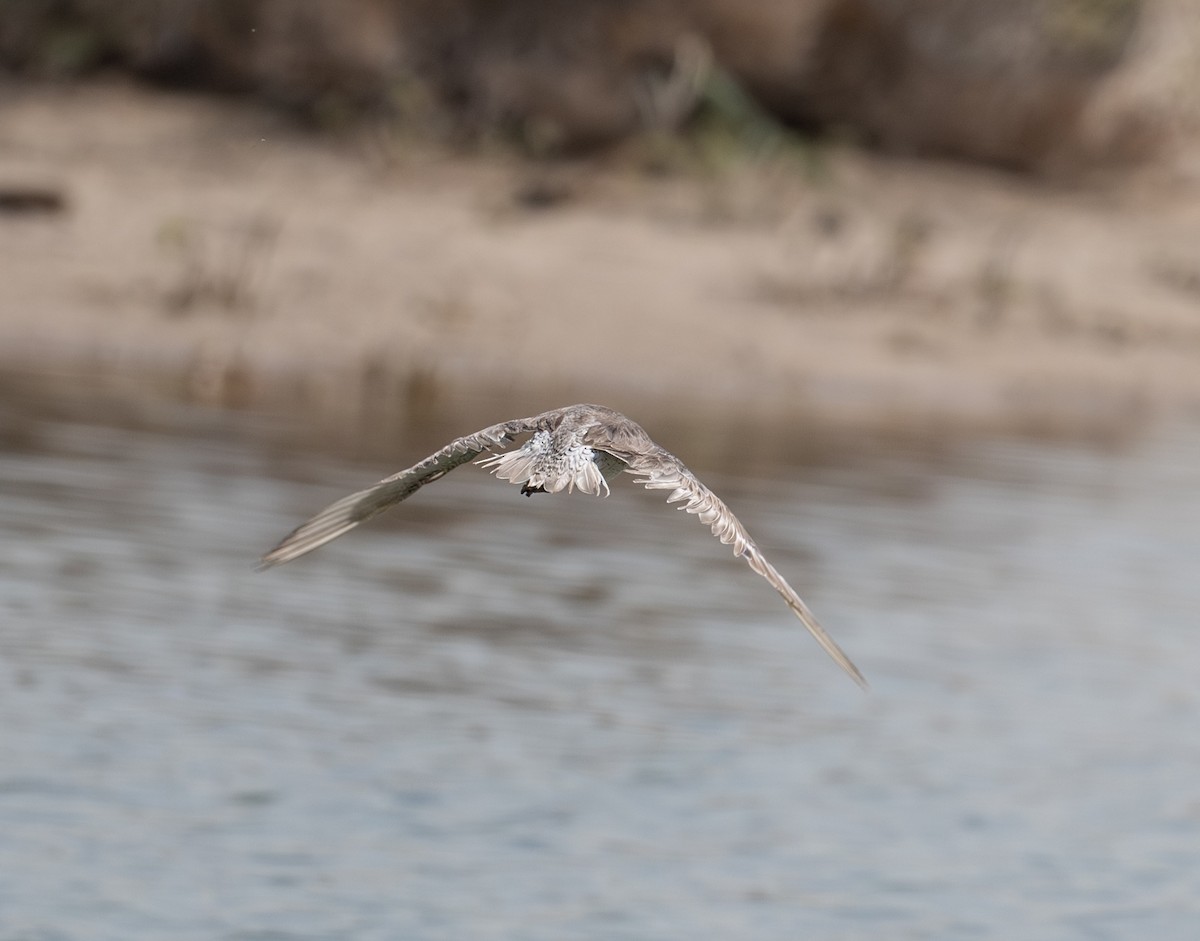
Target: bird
{"points": [[578, 447]]}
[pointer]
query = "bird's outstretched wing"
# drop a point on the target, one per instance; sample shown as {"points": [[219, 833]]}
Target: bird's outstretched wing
{"points": [[348, 512], [659, 469]]}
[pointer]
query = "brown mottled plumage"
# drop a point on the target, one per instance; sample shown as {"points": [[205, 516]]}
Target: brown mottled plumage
{"points": [[581, 446]]}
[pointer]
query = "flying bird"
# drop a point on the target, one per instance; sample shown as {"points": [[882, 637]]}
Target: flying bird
{"points": [[578, 447]]}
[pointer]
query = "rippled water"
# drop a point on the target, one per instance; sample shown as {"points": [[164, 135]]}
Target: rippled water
{"points": [[489, 717]]}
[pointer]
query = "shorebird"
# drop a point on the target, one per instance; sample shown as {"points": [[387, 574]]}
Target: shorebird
{"points": [[578, 447]]}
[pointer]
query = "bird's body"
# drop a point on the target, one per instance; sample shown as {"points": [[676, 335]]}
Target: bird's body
{"points": [[580, 446]]}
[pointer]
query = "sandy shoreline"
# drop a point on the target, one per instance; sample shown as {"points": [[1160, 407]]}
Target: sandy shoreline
{"points": [[209, 253]]}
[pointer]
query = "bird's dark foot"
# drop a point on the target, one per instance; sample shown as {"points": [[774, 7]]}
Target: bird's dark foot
{"points": [[530, 491]]}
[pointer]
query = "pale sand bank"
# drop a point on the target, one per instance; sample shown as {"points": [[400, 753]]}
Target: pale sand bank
{"points": [[210, 253]]}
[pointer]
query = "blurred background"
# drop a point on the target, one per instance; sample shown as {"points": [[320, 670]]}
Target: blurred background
{"points": [[914, 286]]}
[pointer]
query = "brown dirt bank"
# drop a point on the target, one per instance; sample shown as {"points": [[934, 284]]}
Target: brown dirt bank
{"points": [[207, 252]]}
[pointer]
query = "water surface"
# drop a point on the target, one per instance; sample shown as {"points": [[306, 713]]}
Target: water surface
{"points": [[490, 717]]}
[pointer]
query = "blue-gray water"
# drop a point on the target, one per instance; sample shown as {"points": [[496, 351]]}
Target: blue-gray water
{"points": [[492, 717]]}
